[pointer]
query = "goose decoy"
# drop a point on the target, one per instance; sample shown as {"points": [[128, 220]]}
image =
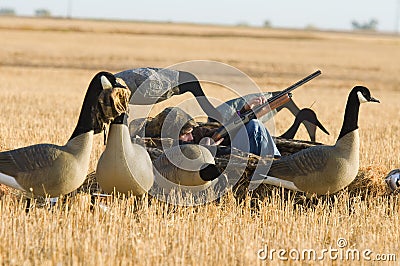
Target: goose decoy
{"points": [[151, 85], [229, 108], [52, 170], [325, 169], [189, 166], [393, 180], [124, 167], [305, 114]]}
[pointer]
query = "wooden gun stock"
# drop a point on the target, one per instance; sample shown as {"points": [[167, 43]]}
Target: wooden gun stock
{"points": [[223, 131], [280, 101]]}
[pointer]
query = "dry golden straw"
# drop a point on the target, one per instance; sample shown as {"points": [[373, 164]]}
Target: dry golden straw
{"points": [[45, 68]]}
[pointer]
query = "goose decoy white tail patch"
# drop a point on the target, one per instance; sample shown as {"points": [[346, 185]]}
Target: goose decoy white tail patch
{"points": [[305, 114], [52, 170], [327, 169]]}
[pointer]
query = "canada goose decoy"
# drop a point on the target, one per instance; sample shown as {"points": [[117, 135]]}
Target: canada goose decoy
{"points": [[305, 114], [393, 180], [151, 85], [189, 166], [325, 169], [48, 169], [229, 108], [124, 167]]}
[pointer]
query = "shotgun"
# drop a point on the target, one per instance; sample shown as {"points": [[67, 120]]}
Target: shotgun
{"points": [[273, 103]]}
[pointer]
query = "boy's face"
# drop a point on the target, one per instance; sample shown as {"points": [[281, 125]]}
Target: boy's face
{"points": [[187, 135]]}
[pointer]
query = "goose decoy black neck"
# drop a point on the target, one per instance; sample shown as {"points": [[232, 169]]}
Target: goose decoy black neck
{"points": [[119, 120], [189, 83], [86, 122], [358, 95], [209, 172]]}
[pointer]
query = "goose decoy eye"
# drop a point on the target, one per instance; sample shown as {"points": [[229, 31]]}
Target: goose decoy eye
{"points": [[105, 83]]}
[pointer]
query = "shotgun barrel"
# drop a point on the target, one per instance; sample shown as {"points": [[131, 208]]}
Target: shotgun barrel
{"points": [[286, 91], [274, 102]]}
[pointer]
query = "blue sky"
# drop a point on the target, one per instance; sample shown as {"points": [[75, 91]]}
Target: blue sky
{"points": [[322, 14]]}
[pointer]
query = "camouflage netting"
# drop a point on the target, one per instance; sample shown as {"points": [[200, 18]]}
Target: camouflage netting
{"points": [[170, 123], [369, 181]]}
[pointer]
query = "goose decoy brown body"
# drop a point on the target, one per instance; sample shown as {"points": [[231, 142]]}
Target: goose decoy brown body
{"points": [[48, 169], [305, 114], [124, 167], [325, 169]]}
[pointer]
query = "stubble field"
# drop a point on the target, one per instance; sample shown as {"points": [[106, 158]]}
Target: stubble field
{"points": [[46, 66]]}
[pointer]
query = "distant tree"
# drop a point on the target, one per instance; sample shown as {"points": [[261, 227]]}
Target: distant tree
{"points": [[371, 25], [42, 13], [355, 25], [267, 24], [5, 11]]}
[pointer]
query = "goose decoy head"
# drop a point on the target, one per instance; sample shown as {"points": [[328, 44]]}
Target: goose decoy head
{"points": [[187, 165], [113, 99], [105, 80], [109, 81], [364, 95], [309, 115]]}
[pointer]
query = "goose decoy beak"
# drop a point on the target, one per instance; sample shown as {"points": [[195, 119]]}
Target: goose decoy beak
{"points": [[310, 116], [372, 99], [364, 95], [318, 124]]}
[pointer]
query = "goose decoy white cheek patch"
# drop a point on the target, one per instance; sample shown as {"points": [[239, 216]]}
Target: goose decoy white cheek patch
{"points": [[361, 97], [105, 83]]}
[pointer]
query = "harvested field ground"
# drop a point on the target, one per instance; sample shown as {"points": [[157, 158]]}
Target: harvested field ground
{"points": [[46, 66]]}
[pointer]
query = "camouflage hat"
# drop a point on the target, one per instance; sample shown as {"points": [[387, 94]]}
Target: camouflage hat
{"points": [[170, 123]]}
